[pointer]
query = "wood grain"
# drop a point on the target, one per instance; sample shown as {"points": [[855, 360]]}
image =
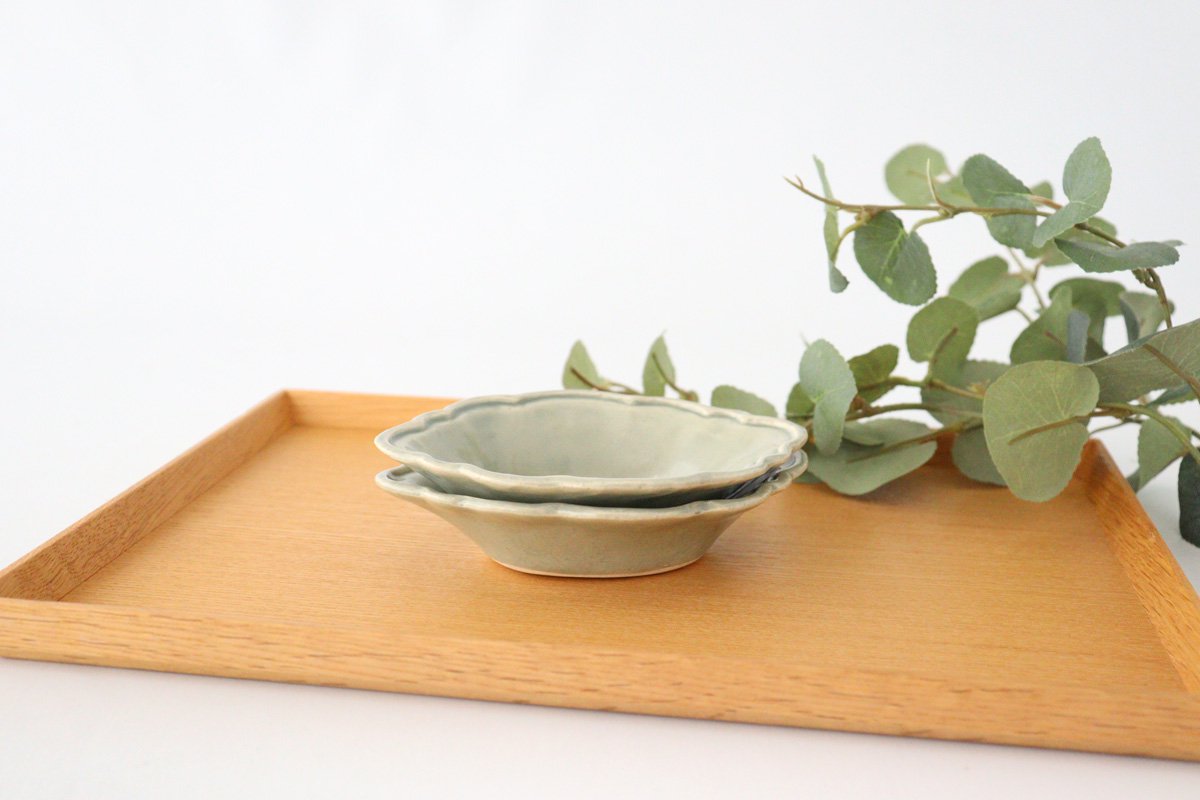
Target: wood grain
{"points": [[935, 607], [62, 563]]}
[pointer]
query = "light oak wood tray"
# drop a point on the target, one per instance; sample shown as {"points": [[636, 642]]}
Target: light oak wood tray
{"points": [[935, 608]]}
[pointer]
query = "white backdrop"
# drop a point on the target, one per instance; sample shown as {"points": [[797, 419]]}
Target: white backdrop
{"points": [[202, 203]]}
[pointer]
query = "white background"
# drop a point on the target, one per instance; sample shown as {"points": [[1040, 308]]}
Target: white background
{"points": [[202, 203]]}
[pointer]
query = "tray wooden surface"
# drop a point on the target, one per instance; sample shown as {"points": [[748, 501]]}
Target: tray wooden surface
{"points": [[935, 607]]}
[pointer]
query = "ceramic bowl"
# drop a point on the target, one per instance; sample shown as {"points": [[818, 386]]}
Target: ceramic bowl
{"points": [[575, 541], [590, 448]]}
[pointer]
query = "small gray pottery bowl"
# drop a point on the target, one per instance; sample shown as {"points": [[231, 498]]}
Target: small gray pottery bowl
{"points": [[574, 541], [590, 448]]}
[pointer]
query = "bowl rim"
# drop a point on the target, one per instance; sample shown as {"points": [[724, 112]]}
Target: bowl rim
{"points": [[387, 480], [389, 441]]}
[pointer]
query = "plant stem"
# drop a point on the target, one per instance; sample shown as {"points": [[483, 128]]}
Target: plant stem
{"points": [[929, 383], [1178, 370], [1183, 436], [944, 209], [874, 411], [1112, 427], [612, 387], [954, 427], [686, 394]]}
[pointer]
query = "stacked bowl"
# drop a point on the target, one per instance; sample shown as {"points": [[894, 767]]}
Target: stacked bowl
{"points": [[590, 484]]}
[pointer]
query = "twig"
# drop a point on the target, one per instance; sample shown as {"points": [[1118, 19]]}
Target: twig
{"points": [[1178, 370]]}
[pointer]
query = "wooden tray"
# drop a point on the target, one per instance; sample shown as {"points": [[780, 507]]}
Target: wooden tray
{"points": [[935, 608]]}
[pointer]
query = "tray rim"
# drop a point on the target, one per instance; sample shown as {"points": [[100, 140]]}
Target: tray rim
{"points": [[34, 624]]}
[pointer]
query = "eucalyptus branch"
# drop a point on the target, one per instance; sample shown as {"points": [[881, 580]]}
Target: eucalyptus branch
{"points": [[613, 387], [946, 209], [686, 394], [1184, 436], [874, 411], [928, 383], [961, 426]]}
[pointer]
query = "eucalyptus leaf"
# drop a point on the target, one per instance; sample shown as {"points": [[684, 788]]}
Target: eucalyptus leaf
{"points": [[1091, 292], [873, 368], [827, 379], [658, 370], [1087, 178], [1098, 256], [837, 280], [726, 396], [1189, 500], [898, 262], [1180, 394], [857, 469], [1046, 337], [970, 454], [865, 433], [953, 192], [1157, 449], [1042, 189], [942, 333], [1034, 419], [905, 173], [992, 186], [988, 287], [974, 375], [579, 363], [1143, 314], [1134, 371], [799, 404], [1077, 336]]}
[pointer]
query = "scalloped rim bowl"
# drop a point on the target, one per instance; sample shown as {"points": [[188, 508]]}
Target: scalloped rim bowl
{"points": [[590, 448], [574, 541]]}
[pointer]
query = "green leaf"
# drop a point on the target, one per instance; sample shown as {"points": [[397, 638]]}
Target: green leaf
{"points": [[1189, 500], [578, 361], [874, 368], [856, 469], [1180, 394], [953, 192], [828, 380], [1086, 181], [988, 287], [1042, 189], [658, 370], [1133, 371], [1157, 449], [971, 456], [905, 173], [1077, 336], [1034, 419], [726, 396], [1051, 256], [974, 375], [898, 262], [992, 186], [1091, 293], [1143, 314], [1097, 256], [837, 280], [942, 332], [799, 404], [1046, 337]]}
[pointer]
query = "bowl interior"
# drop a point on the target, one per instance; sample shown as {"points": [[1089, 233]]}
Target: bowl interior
{"points": [[596, 439]]}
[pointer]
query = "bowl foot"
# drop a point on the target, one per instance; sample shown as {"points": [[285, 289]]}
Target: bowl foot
{"points": [[658, 571]]}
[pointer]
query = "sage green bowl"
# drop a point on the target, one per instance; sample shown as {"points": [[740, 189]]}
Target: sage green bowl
{"points": [[590, 448], [574, 541]]}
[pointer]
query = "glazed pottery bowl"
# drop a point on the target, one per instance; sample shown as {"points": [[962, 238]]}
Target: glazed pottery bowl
{"points": [[586, 541], [590, 448]]}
